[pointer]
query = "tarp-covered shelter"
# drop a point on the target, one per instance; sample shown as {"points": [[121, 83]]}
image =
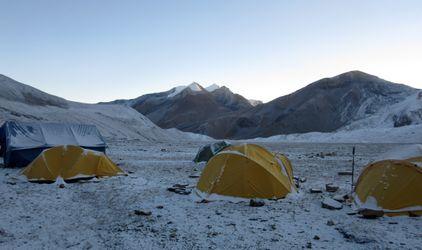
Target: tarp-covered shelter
{"points": [[206, 152], [22, 142], [70, 163], [246, 171]]}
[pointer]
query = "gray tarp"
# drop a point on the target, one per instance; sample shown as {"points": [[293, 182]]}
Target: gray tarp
{"points": [[21, 142]]}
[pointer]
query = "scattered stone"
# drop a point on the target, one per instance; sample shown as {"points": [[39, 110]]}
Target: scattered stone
{"points": [[273, 227], [218, 212], [331, 204], [413, 214], [352, 213], [143, 213], [358, 237], [331, 154], [163, 150], [321, 155], [159, 207], [371, 214], [330, 223], [61, 185], [11, 183], [339, 198], [345, 173], [130, 172], [256, 203], [180, 185], [316, 237], [303, 179], [193, 176], [315, 190], [393, 223], [330, 187], [179, 189], [309, 245]]}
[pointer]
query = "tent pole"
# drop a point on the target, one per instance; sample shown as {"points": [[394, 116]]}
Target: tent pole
{"points": [[353, 168]]}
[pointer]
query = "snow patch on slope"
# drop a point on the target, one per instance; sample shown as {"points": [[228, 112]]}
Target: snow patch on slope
{"points": [[406, 112], [406, 134], [254, 102], [113, 121], [212, 87], [193, 86]]}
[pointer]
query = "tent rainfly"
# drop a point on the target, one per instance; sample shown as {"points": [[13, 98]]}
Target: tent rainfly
{"points": [[391, 187], [246, 171], [70, 163], [22, 142]]}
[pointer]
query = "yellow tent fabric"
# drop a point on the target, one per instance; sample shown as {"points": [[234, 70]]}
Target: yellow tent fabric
{"points": [[247, 171], [391, 186], [70, 162]]}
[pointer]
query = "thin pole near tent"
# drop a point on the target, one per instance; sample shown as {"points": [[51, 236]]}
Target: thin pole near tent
{"points": [[353, 168]]}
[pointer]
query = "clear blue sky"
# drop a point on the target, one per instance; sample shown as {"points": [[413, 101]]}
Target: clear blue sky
{"points": [[93, 51]]}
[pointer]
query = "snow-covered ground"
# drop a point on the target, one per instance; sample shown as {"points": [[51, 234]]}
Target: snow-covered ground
{"points": [[405, 134], [113, 121], [99, 214]]}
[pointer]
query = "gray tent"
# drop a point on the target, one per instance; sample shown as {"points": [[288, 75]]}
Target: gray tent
{"points": [[22, 142], [208, 151]]}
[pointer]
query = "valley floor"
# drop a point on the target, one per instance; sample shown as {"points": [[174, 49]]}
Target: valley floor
{"points": [[99, 214]]}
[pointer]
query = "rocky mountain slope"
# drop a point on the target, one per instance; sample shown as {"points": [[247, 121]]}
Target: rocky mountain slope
{"points": [[22, 102], [323, 106], [350, 100], [189, 108]]}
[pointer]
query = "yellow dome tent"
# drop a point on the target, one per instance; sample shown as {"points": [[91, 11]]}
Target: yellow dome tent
{"points": [[391, 186], [69, 163], [246, 171]]}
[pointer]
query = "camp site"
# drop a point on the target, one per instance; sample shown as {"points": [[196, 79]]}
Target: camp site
{"points": [[243, 193], [191, 125]]}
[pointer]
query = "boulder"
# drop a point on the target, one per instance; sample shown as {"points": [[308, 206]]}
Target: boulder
{"points": [[371, 214], [256, 203], [330, 187], [345, 173], [143, 213], [331, 204], [315, 190], [339, 198]]}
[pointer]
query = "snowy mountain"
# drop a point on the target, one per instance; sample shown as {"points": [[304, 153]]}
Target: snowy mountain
{"points": [[194, 87], [189, 108], [353, 100], [22, 102], [327, 105], [212, 87], [255, 102]]}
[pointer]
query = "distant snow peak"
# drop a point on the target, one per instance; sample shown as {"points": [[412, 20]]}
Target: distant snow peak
{"points": [[176, 91], [193, 86], [254, 102], [212, 87]]}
